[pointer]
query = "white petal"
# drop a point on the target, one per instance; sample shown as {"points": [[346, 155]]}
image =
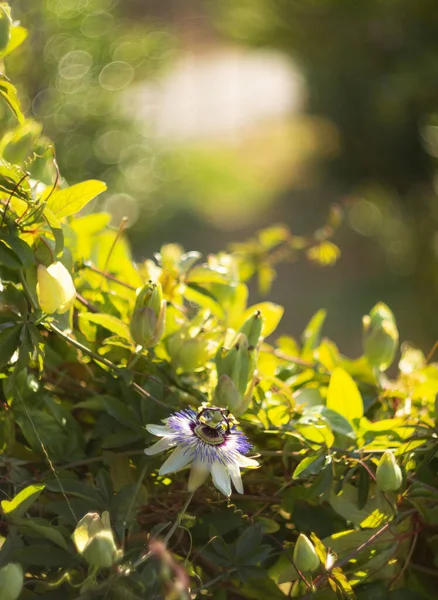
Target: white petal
{"points": [[176, 461], [160, 430], [221, 478], [198, 474], [244, 461], [235, 477], [160, 446]]}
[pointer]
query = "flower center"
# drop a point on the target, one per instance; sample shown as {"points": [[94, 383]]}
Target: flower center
{"points": [[210, 435]]}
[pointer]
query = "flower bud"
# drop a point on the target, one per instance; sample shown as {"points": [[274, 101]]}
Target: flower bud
{"points": [[101, 551], [380, 337], [252, 328], [238, 365], [148, 320], [305, 556], [11, 581], [5, 27], [389, 476], [226, 395], [94, 539], [150, 295], [55, 288]]}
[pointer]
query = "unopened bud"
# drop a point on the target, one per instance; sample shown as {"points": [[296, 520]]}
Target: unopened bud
{"points": [[94, 539], [150, 295], [380, 338], [55, 288], [226, 395], [11, 581], [101, 551], [252, 328], [305, 556], [389, 476], [146, 327]]}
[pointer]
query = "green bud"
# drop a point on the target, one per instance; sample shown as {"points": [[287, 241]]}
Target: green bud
{"points": [[240, 369], [146, 327], [11, 581], [150, 295], [252, 328], [389, 476], [142, 325], [226, 395], [101, 551], [305, 557], [5, 26], [380, 336], [94, 539]]}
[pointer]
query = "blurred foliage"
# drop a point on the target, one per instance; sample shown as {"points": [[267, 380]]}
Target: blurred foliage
{"points": [[370, 70], [95, 347], [90, 54]]}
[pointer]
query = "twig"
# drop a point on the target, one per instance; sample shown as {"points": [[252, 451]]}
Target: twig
{"points": [[90, 266], [106, 362]]}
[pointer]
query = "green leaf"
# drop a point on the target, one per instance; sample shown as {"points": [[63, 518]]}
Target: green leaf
{"points": [[248, 543], [343, 395], [312, 333], [119, 411], [309, 466], [20, 249], [23, 500], [9, 340], [44, 555], [109, 322], [67, 202], [31, 527], [8, 257], [18, 35], [9, 93]]}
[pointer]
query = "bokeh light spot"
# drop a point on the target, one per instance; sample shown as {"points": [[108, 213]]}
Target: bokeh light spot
{"points": [[97, 24], [365, 217], [75, 65], [116, 76], [122, 205]]}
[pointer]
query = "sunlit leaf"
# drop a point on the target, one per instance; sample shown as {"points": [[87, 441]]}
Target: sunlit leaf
{"points": [[69, 201], [21, 503], [343, 396]]}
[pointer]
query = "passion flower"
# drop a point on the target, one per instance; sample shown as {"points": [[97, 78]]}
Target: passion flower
{"points": [[209, 441]]}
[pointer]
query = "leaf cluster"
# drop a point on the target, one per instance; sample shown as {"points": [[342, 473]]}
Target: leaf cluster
{"points": [[86, 513]]}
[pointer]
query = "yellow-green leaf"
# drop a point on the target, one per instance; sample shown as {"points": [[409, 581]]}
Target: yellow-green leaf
{"points": [[67, 202], [9, 93], [271, 314], [23, 500], [111, 323], [343, 395]]}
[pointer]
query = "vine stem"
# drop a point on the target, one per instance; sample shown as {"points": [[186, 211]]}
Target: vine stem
{"points": [[105, 362], [169, 534]]}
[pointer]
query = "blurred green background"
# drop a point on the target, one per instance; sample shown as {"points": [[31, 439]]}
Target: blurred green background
{"points": [[210, 119]]}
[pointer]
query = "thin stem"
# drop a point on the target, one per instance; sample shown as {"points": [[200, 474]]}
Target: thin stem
{"points": [[90, 266], [171, 531], [105, 362], [178, 519], [116, 239], [131, 504], [212, 582]]}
